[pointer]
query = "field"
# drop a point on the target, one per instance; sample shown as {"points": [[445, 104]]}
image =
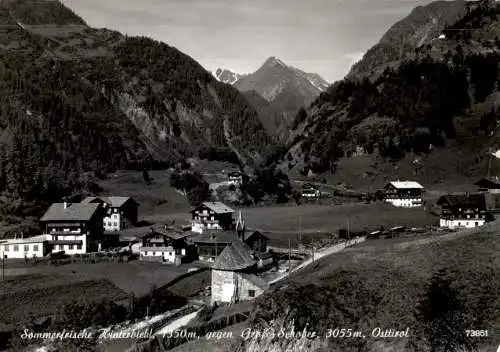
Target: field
{"points": [[43, 289]]}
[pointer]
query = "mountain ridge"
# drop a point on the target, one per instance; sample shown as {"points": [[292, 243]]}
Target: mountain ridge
{"points": [[144, 102]]}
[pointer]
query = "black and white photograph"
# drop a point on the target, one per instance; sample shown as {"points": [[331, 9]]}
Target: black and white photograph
{"points": [[250, 175]]}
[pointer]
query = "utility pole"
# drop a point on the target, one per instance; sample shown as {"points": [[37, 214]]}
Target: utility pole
{"points": [[289, 254]]}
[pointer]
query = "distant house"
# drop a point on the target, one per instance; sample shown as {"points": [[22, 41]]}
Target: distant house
{"points": [[310, 191], [37, 246], [120, 212], [403, 193], [462, 210], [233, 275], [488, 184], [235, 177], [73, 227], [212, 216], [442, 36], [166, 245]]}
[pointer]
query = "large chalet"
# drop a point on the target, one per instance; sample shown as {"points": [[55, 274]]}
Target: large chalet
{"points": [[74, 228], [165, 244], [233, 275], [463, 210], [404, 194], [120, 212], [212, 216]]}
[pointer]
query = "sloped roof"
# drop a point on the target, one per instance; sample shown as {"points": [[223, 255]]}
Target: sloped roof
{"points": [[258, 234], [74, 212], [406, 185], [493, 181], [474, 200], [217, 207], [236, 256], [113, 201], [216, 236], [309, 186], [34, 239], [173, 233], [257, 281]]}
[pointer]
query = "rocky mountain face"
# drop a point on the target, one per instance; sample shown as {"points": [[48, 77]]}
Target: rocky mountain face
{"points": [[76, 100], [443, 94], [286, 88], [422, 26], [227, 76]]}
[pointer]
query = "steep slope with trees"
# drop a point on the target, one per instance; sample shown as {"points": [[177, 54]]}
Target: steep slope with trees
{"points": [[444, 95], [77, 100]]}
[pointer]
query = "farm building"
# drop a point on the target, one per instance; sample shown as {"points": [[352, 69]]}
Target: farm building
{"points": [[120, 212], [403, 193], [212, 216], [236, 178], [310, 191], [462, 210], [31, 247], [211, 243], [488, 184], [74, 227], [233, 275], [166, 245]]}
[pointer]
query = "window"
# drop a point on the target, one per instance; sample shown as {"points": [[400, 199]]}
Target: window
{"points": [[154, 253], [16, 248], [477, 224], [251, 293], [6, 247], [35, 247], [116, 224], [61, 247], [78, 246], [26, 248], [71, 246]]}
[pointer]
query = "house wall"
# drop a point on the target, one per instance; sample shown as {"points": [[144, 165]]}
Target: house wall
{"points": [[71, 248], [459, 223], [405, 202], [221, 279], [30, 250], [244, 286]]}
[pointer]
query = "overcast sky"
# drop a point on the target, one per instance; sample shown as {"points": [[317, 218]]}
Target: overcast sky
{"points": [[323, 36]]}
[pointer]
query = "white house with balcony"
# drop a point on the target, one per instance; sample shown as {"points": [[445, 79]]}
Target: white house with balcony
{"points": [[462, 210], [212, 216], [74, 228], [406, 194]]}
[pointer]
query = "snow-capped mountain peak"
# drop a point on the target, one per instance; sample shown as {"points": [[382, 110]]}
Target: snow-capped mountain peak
{"points": [[226, 76]]}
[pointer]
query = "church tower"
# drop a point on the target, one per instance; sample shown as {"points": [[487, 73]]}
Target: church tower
{"points": [[240, 227]]}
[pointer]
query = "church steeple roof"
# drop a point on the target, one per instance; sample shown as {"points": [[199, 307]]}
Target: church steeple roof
{"points": [[240, 223]]}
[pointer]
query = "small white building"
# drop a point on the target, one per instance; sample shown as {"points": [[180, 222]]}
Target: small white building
{"points": [[406, 194], [310, 191], [462, 210], [164, 245], [29, 247], [235, 178]]}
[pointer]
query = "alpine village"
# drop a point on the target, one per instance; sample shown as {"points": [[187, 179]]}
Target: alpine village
{"points": [[148, 203]]}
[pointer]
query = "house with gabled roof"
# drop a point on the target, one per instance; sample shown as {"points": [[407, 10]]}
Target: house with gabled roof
{"points": [[166, 244], [119, 212], [310, 191], [406, 194], [212, 216], [463, 210], [234, 276], [73, 227]]}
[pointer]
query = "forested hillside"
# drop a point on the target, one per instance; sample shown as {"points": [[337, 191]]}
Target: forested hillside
{"points": [[447, 92], [77, 100]]}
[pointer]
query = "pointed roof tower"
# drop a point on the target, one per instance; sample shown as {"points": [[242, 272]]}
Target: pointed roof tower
{"points": [[240, 223]]}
